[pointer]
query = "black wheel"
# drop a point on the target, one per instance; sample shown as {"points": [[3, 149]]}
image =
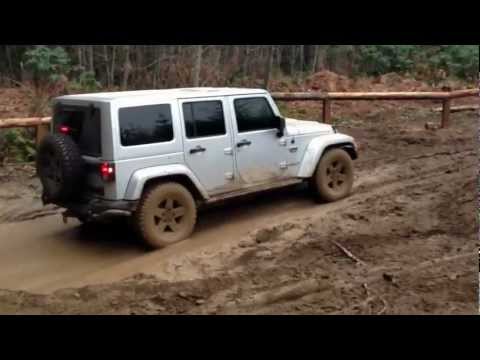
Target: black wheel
{"points": [[333, 179], [59, 167]]}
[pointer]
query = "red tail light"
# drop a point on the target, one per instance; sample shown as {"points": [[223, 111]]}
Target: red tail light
{"points": [[107, 171], [64, 129]]}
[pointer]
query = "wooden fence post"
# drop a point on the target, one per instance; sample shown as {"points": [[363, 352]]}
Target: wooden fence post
{"points": [[327, 111], [41, 131], [446, 113]]}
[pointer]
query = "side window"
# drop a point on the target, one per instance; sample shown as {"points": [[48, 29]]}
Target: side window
{"points": [[204, 118], [254, 114], [145, 125]]}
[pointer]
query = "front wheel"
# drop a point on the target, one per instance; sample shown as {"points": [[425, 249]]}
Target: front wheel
{"points": [[166, 214], [333, 178]]}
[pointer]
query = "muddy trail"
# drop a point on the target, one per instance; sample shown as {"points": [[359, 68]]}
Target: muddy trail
{"points": [[405, 242]]}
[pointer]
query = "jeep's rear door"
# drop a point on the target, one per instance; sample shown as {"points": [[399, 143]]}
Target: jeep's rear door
{"points": [[82, 122], [208, 142]]}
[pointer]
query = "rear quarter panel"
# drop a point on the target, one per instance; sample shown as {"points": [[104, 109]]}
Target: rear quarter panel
{"points": [[130, 159]]}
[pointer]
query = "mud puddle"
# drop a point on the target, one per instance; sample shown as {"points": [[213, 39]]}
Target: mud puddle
{"points": [[404, 242]]}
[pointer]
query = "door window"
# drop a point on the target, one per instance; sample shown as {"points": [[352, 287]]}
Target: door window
{"points": [[254, 114], [204, 118]]}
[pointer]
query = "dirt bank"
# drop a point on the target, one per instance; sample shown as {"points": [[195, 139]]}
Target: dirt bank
{"points": [[404, 243]]}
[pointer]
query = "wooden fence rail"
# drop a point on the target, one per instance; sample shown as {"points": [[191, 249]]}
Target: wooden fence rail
{"points": [[24, 122], [327, 98], [42, 123]]}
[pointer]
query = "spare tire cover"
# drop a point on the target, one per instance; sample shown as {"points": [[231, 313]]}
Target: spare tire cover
{"points": [[60, 168]]}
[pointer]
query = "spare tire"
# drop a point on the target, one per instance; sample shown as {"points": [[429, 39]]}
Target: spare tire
{"points": [[60, 168]]}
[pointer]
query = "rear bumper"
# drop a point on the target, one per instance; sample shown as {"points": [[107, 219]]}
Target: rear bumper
{"points": [[95, 207]]}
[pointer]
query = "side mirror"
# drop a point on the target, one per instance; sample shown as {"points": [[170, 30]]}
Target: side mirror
{"points": [[281, 126]]}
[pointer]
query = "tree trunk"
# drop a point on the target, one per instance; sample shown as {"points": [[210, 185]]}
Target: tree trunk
{"points": [[301, 58], [107, 66], [127, 68], [9, 61], [90, 59], [268, 66], [216, 61], [245, 62], [156, 71], [278, 55], [315, 60], [85, 58], [197, 66], [321, 57], [139, 63], [112, 73], [292, 60], [79, 55], [235, 56]]}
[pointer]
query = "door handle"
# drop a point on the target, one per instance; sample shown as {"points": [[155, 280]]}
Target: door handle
{"points": [[198, 149], [293, 149], [244, 143]]}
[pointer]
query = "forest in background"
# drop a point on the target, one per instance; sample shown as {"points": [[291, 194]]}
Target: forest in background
{"points": [[30, 76], [92, 67]]}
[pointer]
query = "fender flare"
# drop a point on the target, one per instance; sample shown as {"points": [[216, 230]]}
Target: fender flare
{"points": [[140, 177], [317, 148]]}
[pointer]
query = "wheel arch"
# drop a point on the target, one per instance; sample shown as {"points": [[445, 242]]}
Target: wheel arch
{"points": [[151, 176], [319, 146], [181, 179], [348, 147]]}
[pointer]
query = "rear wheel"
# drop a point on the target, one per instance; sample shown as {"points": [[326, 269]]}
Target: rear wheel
{"points": [[333, 179], [166, 214]]}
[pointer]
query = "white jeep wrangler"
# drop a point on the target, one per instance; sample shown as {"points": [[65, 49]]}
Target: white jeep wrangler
{"points": [[157, 155]]}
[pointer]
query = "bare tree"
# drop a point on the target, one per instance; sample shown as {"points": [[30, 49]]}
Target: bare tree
{"points": [[9, 60], [112, 73], [107, 66], [90, 59], [268, 66], [292, 59], [245, 61], [301, 58], [79, 56], [198, 65], [313, 69], [127, 68]]}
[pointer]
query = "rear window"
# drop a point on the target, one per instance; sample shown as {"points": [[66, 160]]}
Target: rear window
{"points": [[145, 125], [84, 126]]}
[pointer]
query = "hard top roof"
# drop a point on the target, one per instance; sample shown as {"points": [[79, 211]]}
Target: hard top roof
{"points": [[165, 94]]}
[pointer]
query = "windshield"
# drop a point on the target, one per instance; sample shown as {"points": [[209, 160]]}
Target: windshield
{"points": [[83, 124]]}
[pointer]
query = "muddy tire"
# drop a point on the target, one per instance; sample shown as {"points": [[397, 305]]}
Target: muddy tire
{"points": [[166, 214], [59, 167], [333, 178]]}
